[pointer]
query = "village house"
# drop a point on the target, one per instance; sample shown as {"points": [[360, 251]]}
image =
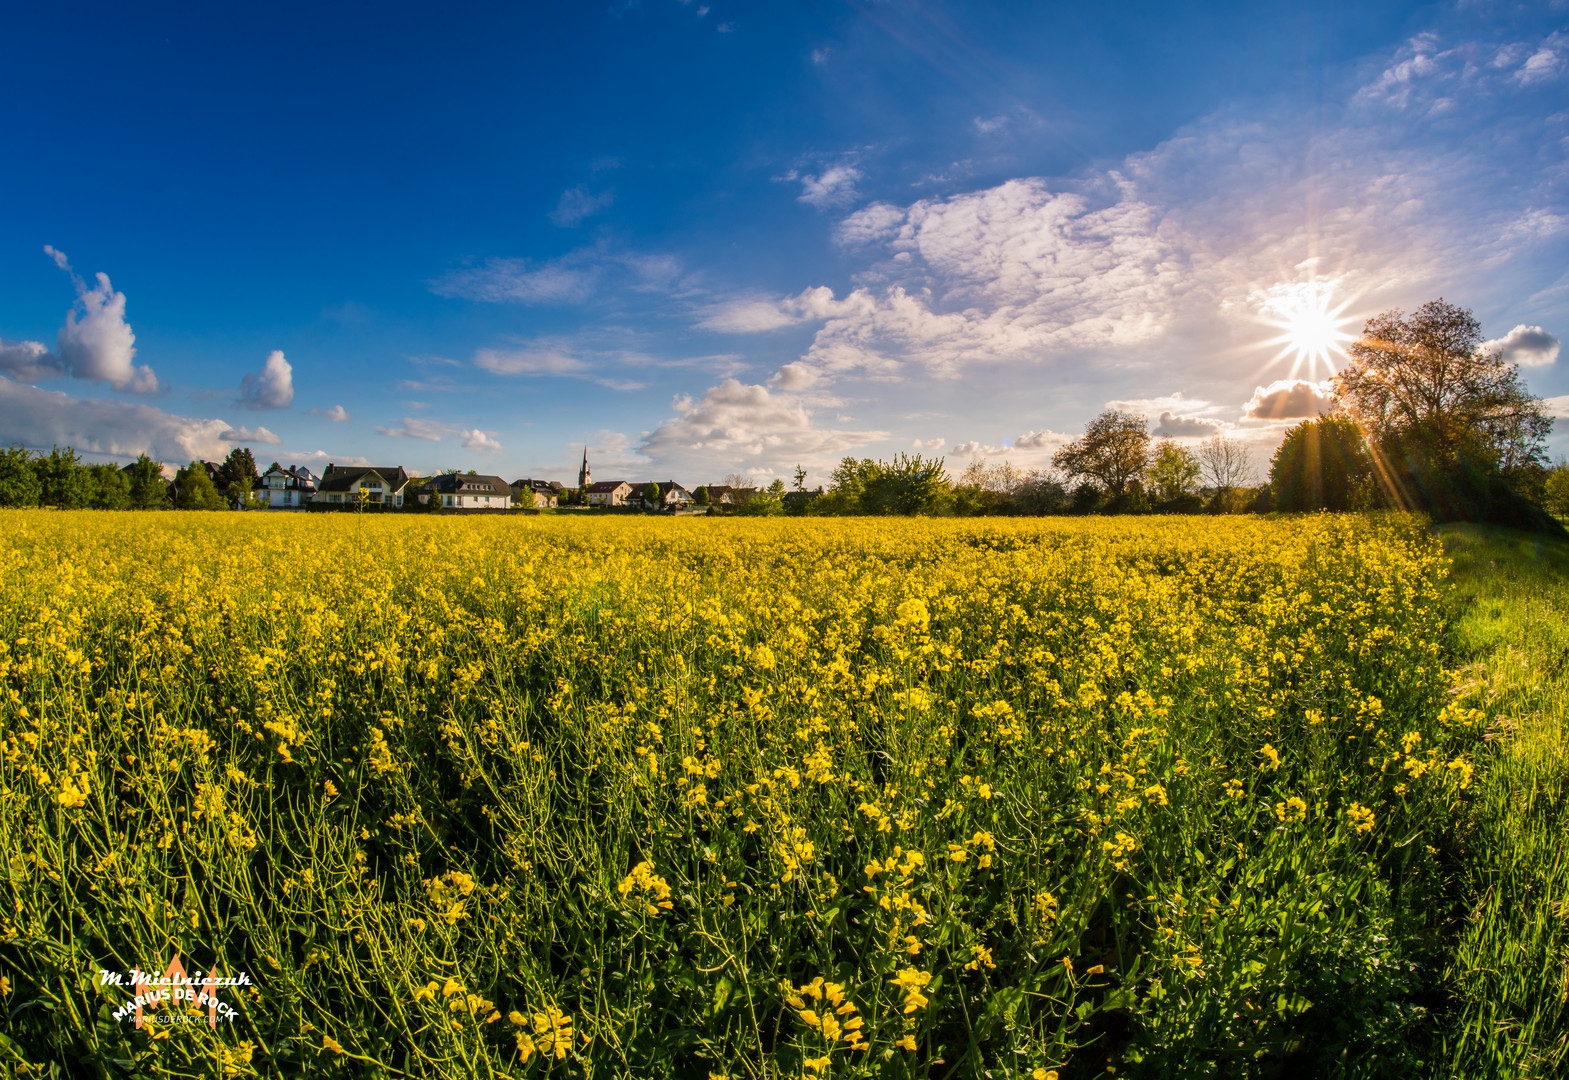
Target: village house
{"points": [[608, 493], [721, 496], [383, 485], [468, 491], [287, 489], [547, 493], [672, 496]]}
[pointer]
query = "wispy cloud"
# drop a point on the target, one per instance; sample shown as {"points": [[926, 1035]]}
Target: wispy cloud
{"points": [[337, 414], [578, 204]]}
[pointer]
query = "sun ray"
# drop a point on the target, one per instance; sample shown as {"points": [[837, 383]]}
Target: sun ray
{"points": [[1312, 326]]}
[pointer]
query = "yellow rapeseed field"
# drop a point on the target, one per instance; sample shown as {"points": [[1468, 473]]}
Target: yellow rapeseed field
{"points": [[700, 797]]}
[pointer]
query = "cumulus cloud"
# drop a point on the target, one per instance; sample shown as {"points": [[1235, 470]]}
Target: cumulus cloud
{"points": [[793, 377], [578, 204], [1041, 440], [1557, 407], [928, 444], [1528, 346], [337, 414], [756, 315], [272, 387], [484, 442], [870, 225], [834, 186], [43, 418], [96, 343], [739, 422], [1186, 426], [1289, 399]]}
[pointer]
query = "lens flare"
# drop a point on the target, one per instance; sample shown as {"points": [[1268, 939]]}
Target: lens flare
{"points": [[1312, 326]]}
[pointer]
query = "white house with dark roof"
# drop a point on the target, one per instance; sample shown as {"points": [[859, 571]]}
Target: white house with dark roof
{"points": [[383, 485], [469, 491], [287, 489]]}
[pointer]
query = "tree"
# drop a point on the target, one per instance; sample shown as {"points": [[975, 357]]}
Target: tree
{"points": [[237, 475], [1173, 471], [1041, 492], [1113, 450], [19, 484], [111, 488], [907, 485], [149, 490], [526, 498], [1225, 462], [1322, 464], [194, 489], [652, 495], [1422, 384], [768, 502], [63, 480], [800, 479], [1555, 489], [700, 496]]}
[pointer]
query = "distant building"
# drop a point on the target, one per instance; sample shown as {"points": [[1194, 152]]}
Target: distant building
{"points": [[608, 493], [672, 496], [287, 489], [383, 485], [547, 493], [721, 495], [469, 491], [584, 477]]}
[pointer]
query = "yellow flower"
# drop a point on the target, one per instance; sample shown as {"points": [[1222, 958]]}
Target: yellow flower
{"points": [[906, 1043], [1361, 817], [329, 1043], [1271, 756]]}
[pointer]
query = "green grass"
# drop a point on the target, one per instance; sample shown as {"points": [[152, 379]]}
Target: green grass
{"points": [[1510, 970]]}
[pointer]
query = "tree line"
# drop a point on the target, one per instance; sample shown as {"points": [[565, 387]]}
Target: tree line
{"points": [[61, 479]]}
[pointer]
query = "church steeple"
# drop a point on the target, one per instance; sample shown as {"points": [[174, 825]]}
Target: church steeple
{"points": [[584, 477]]}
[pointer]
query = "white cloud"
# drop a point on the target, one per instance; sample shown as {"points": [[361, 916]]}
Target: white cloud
{"points": [[245, 435], [1186, 426], [737, 423], [96, 343], [990, 125], [416, 427], [272, 387], [928, 444], [870, 225], [1041, 440], [578, 204], [1557, 406], [484, 442], [755, 315], [1289, 399], [1528, 346], [834, 186], [337, 414], [966, 448], [793, 377], [43, 418]]}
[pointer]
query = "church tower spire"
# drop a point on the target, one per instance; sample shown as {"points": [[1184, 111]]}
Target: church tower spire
{"points": [[584, 477]]}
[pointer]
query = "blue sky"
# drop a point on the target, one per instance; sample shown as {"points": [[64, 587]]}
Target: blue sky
{"points": [[718, 238]]}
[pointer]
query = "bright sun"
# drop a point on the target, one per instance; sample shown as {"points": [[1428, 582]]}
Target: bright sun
{"points": [[1312, 330]]}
